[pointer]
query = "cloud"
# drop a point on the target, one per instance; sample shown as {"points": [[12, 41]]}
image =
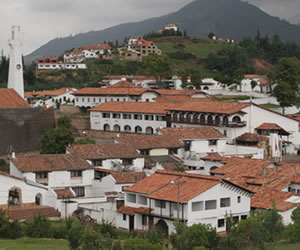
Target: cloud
{"points": [[42, 20]]}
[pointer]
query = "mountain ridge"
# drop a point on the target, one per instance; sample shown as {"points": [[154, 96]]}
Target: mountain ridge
{"points": [[226, 18]]}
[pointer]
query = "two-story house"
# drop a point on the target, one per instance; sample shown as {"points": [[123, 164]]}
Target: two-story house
{"points": [[167, 196]]}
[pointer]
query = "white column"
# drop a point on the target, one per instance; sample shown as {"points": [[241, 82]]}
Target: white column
{"points": [[15, 76]]}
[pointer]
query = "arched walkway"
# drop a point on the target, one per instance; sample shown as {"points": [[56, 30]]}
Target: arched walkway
{"points": [[236, 119], [127, 128], [149, 130], [117, 128], [106, 127], [162, 227], [138, 129]]}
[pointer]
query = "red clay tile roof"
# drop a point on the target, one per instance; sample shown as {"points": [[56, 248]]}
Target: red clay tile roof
{"points": [[103, 46], [192, 133], [55, 92], [59, 162], [123, 84], [9, 98], [251, 137], [265, 178], [104, 151], [111, 91], [159, 185], [134, 107], [127, 177], [175, 92], [210, 106], [64, 193], [150, 141], [133, 210], [269, 126], [27, 213], [213, 157]]}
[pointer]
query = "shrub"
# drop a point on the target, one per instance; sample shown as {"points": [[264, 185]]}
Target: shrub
{"points": [[40, 227], [154, 236], [140, 244], [74, 235]]}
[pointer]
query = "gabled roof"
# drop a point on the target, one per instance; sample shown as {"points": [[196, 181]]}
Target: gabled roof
{"points": [[127, 177], [192, 133], [9, 98], [104, 151], [133, 107], [210, 106], [64, 193], [47, 163], [176, 92], [272, 127], [163, 185], [134, 210], [212, 157], [143, 142], [263, 177], [55, 92], [123, 84], [111, 91], [251, 137]]}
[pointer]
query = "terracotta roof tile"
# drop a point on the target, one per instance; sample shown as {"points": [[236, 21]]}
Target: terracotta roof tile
{"points": [[265, 178], [159, 185], [133, 210], [27, 213], [269, 126], [59, 162], [64, 193], [251, 137], [9, 98], [56, 92], [104, 151], [150, 141], [192, 133], [174, 92], [210, 106], [123, 84], [213, 157], [111, 91], [127, 177]]}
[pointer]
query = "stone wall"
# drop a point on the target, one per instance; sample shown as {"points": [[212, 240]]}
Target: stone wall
{"points": [[21, 129]]}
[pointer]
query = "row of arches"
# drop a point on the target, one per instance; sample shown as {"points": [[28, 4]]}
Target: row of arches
{"points": [[205, 119], [127, 128]]}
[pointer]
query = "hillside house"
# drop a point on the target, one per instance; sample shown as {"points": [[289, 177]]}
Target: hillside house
{"points": [[167, 196], [47, 63]]}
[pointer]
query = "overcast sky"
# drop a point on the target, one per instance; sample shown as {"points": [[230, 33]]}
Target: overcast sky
{"points": [[42, 20]]}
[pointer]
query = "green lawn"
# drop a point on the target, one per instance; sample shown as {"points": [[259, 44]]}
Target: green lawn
{"points": [[270, 106], [33, 244]]}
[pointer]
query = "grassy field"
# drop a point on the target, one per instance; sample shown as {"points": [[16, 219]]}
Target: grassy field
{"points": [[33, 244]]}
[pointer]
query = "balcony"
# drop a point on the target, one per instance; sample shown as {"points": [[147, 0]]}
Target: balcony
{"points": [[209, 123]]}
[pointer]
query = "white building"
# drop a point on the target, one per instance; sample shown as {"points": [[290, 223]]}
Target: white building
{"points": [[50, 98], [202, 199], [47, 63], [171, 27], [255, 83], [109, 156]]}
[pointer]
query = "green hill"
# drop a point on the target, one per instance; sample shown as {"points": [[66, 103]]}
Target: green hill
{"points": [[226, 18]]}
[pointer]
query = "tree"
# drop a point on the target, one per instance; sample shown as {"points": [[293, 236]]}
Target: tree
{"points": [[292, 232], [64, 122], [140, 244], [211, 35], [157, 66], [285, 95], [54, 141], [197, 235], [74, 235], [272, 222]]}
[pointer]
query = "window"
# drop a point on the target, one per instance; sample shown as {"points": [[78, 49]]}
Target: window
{"points": [[244, 217], [79, 191], [131, 198], [212, 142], [116, 115], [239, 199], [145, 152], [235, 219], [126, 116], [142, 200], [138, 117], [97, 162], [209, 205], [160, 118], [225, 132], [76, 99], [88, 99], [94, 100], [106, 115], [225, 202], [173, 151], [197, 206], [76, 173], [82, 99], [127, 161], [149, 117], [144, 220], [160, 204], [124, 217], [221, 223], [41, 175], [187, 145]]}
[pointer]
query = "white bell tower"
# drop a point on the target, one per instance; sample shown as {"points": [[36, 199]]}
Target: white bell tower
{"points": [[15, 75]]}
